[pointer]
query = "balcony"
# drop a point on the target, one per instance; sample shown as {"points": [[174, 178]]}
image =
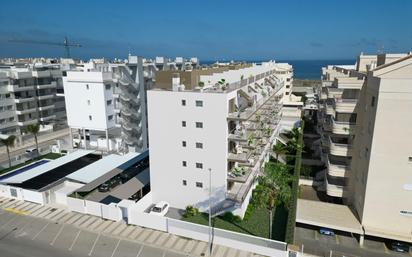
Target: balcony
{"points": [[249, 112], [26, 122], [239, 174], [243, 156], [332, 189], [18, 88], [44, 97], [342, 127], [239, 190], [31, 110], [329, 108], [339, 146], [52, 84], [24, 99], [47, 118], [46, 107], [337, 166], [345, 105]]}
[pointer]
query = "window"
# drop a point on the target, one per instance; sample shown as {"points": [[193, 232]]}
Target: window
{"points": [[366, 152], [199, 184], [184, 182], [88, 102], [109, 102], [410, 158], [287, 93], [90, 117], [199, 103], [11, 119], [199, 165], [373, 101], [199, 145], [184, 143], [183, 102], [183, 123], [110, 117], [184, 163], [199, 124], [108, 87], [87, 86]]}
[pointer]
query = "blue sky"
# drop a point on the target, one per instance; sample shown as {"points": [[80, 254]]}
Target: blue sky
{"points": [[209, 29]]}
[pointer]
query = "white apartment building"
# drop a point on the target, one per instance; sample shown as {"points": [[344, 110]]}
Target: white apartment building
{"points": [[30, 93], [366, 150], [214, 128], [106, 104]]}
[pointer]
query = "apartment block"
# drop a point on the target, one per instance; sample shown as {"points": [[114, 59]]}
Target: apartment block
{"points": [[364, 131], [214, 129], [29, 94]]}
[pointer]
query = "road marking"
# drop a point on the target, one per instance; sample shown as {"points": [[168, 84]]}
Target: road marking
{"points": [[140, 251], [94, 244], [385, 248], [337, 239], [75, 239], [22, 228], [163, 255], [117, 245], [316, 235], [57, 235], [41, 230], [15, 211]]}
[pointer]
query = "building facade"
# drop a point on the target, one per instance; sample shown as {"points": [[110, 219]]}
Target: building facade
{"points": [[29, 94], [214, 129]]}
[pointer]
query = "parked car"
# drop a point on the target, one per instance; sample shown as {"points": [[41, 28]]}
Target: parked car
{"points": [[399, 247], [326, 231], [105, 187], [160, 208], [31, 152]]}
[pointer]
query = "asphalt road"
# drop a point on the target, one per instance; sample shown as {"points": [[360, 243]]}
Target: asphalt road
{"points": [[26, 236]]}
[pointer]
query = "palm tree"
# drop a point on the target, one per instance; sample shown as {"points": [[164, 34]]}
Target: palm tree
{"points": [[34, 129], [8, 142], [278, 149], [273, 189]]}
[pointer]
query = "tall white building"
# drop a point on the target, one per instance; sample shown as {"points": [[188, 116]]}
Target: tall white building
{"points": [[224, 120], [29, 94], [106, 104]]}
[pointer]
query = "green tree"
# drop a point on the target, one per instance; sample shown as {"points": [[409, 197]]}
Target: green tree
{"points": [[273, 189], [278, 149], [8, 142], [34, 129]]}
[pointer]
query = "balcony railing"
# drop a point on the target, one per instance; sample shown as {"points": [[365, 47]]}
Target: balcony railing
{"points": [[337, 167], [339, 148], [332, 189], [342, 127]]}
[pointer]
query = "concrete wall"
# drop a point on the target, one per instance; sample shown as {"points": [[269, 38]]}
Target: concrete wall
{"points": [[76, 205], [93, 208], [111, 212]]}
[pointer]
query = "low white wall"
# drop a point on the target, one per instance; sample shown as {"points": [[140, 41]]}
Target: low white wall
{"points": [[111, 212], [5, 191], [32, 196], [241, 209], [76, 205], [305, 182], [93, 208], [147, 220]]}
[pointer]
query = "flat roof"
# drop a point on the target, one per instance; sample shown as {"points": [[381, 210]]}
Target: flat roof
{"points": [[101, 167], [111, 173], [132, 186], [39, 170], [329, 215], [52, 176]]}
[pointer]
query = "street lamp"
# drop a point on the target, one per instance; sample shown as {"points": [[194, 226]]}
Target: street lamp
{"points": [[210, 212]]}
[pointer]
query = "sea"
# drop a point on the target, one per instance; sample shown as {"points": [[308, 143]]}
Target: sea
{"points": [[305, 69]]}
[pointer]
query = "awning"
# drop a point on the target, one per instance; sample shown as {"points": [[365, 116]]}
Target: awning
{"points": [[321, 214], [132, 186]]}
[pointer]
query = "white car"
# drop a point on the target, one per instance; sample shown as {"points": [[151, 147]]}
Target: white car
{"points": [[160, 209]]}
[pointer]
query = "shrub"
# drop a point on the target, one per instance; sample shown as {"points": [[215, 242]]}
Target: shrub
{"points": [[191, 211], [230, 217]]}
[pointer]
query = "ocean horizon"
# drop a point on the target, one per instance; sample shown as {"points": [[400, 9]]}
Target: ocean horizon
{"points": [[304, 69]]}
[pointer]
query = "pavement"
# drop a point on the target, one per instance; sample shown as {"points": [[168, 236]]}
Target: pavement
{"points": [[341, 245], [28, 229], [44, 141]]}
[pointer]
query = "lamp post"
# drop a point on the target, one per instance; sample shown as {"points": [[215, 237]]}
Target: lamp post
{"points": [[210, 212]]}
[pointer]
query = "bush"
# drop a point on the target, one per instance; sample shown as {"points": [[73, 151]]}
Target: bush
{"points": [[191, 211], [249, 211], [230, 217]]}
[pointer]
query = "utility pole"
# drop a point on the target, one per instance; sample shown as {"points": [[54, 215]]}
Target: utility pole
{"points": [[210, 212]]}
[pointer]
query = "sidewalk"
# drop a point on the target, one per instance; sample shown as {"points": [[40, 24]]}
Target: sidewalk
{"points": [[120, 230]]}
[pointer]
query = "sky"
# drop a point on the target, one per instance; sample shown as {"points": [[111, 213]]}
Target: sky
{"points": [[208, 29]]}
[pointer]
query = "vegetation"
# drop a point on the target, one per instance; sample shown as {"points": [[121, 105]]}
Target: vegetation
{"points": [[8, 142], [279, 149], [191, 211], [34, 129], [50, 156], [291, 221], [201, 84], [273, 189], [310, 170]]}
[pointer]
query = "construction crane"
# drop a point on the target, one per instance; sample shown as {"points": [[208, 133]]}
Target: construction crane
{"points": [[65, 44]]}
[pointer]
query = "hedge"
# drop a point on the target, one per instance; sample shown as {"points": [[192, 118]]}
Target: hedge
{"points": [[291, 222]]}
